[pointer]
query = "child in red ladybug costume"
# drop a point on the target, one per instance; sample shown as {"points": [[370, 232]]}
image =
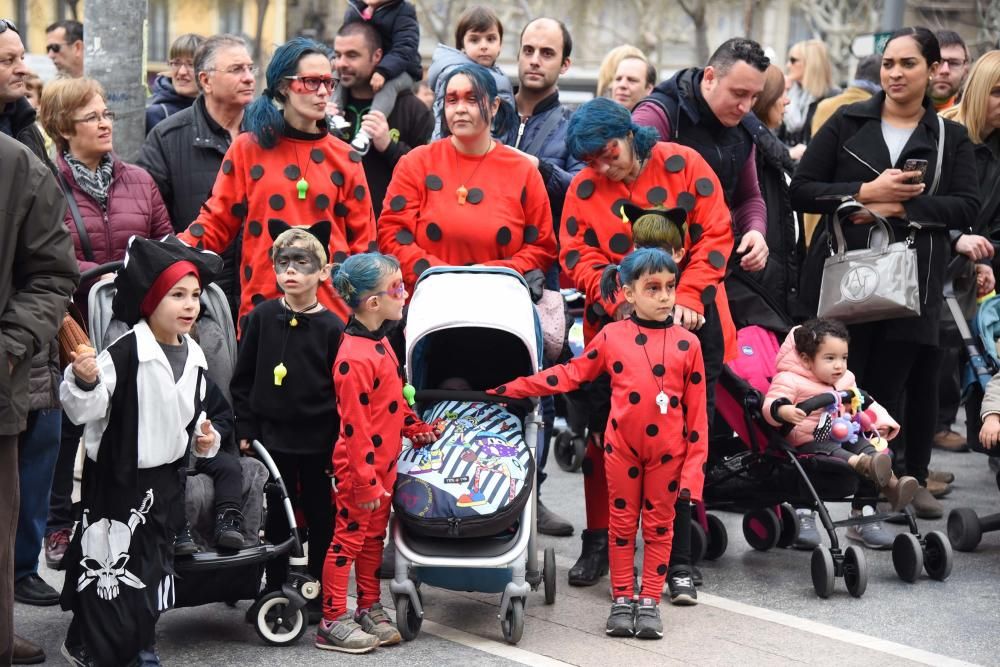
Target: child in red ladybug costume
{"points": [[656, 438], [374, 417]]}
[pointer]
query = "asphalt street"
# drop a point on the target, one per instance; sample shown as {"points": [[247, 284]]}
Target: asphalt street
{"points": [[755, 608]]}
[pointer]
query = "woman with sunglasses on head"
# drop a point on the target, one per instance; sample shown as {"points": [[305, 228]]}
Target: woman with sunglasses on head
{"points": [[287, 167], [626, 165], [467, 198]]}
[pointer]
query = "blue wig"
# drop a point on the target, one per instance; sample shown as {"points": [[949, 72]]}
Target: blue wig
{"points": [[635, 265], [485, 88], [263, 118], [359, 275], [599, 121]]}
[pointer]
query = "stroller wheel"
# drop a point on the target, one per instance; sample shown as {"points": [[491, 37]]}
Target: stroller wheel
{"points": [[855, 571], [699, 542], [549, 575], [569, 451], [938, 556], [407, 619], [761, 528], [822, 571], [274, 624], [907, 557], [718, 539], [964, 529], [789, 525], [512, 624]]}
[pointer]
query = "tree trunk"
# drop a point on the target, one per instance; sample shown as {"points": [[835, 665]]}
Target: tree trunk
{"points": [[695, 9], [748, 7], [113, 54], [258, 38]]}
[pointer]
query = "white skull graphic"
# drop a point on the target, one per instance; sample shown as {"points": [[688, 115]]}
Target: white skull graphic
{"points": [[105, 545]]}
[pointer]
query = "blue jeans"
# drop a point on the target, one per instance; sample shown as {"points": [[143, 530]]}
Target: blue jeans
{"points": [[38, 448]]}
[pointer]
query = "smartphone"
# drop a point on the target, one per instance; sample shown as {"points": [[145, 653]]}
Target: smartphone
{"points": [[916, 165]]}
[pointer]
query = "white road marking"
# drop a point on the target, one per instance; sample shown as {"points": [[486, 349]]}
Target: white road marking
{"points": [[491, 646]]}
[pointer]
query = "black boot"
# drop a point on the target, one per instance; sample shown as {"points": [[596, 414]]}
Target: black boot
{"points": [[228, 527], [184, 544], [593, 561]]}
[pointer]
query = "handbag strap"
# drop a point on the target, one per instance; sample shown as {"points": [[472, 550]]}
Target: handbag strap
{"points": [[940, 157], [539, 139], [856, 207], [81, 229]]}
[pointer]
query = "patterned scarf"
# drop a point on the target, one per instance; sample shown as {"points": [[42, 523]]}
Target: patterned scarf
{"points": [[94, 183]]}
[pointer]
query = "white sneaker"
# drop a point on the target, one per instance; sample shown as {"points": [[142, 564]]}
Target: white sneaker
{"points": [[361, 142], [872, 535]]}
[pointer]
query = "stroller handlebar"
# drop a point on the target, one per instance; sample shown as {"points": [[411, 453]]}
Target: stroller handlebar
{"points": [[821, 401], [434, 395], [97, 271]]}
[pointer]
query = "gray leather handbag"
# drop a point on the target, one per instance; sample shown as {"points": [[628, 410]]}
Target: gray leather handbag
{"points": [[869, 284]]}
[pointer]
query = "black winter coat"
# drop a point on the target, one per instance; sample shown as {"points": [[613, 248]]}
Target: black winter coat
{"points": [[849, 150], [396, 22], [165, 102]]}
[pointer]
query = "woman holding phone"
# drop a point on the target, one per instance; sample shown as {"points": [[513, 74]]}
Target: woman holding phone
{"points": [[876, 142]]}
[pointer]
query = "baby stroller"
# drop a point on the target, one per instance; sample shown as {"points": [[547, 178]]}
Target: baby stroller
{"points": [[759, 473], [279, 617], [979, 345], [477, 324], [569, 432]]}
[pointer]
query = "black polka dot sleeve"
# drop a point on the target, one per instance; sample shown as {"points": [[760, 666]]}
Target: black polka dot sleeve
{"points": [[562, 378], [695, 422], [581, 255], [226, 209], [710, 238]]}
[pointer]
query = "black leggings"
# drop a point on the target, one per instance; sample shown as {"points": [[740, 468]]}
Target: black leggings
{"points": [[843, 451], [227, 478], [310, 491]]}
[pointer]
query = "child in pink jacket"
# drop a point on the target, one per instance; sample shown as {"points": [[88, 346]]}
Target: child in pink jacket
{"points": [[813, 361]]}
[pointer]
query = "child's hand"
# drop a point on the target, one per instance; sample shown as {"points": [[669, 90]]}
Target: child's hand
{"points": [[377, 81], [244, 446], [373, 505], [791, 414], [85, 363], [203, 443], [989, 435]]}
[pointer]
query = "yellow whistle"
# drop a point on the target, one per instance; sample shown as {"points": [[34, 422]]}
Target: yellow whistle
{"points": [[279, 374]]}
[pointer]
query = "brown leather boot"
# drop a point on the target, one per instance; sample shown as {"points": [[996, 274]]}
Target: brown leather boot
{"points": [[874, 467], [26, 653], [899, 491]]}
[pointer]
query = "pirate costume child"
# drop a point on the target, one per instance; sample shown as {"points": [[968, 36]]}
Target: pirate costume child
{"points": [[141, 401]]}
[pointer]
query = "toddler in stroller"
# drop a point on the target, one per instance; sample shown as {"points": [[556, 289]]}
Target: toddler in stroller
{"points": [[813, 360]]}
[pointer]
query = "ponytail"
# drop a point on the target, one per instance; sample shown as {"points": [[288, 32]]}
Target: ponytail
{"points": [[505, 120], [610, 282], [263, 119]]}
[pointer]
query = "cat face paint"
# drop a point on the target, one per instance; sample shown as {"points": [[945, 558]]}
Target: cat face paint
{"points": [[301, 260]]}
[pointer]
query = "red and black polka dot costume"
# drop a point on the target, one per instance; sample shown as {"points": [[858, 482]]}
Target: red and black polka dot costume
{"points": [[505, 220], [374, 416], [650, 457], [257, 184], [594, 235]]}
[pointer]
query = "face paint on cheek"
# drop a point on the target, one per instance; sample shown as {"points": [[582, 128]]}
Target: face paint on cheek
{"points": [[302, 261]]}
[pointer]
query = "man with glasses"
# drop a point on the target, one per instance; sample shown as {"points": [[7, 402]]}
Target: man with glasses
{"points": [[946, 86], [183, 154], [357, 52], [64, 46], [177, 89]]}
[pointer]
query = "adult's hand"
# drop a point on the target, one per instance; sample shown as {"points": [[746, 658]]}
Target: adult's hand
{"points": [[754, 250], [892, 185], [377, 127], [974, 247], [885, 209], [624, 310], [687, 318], [797, 151]]}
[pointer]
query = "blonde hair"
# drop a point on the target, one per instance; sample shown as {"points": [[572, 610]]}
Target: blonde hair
{"points": [[60, 102], [33, 82], [606, 74], [817, 75], [983, 78], [299, 238], [655, 231]]}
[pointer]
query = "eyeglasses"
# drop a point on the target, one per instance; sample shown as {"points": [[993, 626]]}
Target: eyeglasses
{"points": [[178, 64], [954, 63], [396, 291], [311, 84], [237, 69], [6, 24], [96, 117], [55, 47]]}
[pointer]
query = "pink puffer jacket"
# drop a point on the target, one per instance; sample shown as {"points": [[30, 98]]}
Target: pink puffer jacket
{"points": [[797, 383]]}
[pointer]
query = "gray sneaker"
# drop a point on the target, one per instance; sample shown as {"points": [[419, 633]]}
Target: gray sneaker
{"points": [[344, 635], [647, 620], [872, 535], [376, 622], [621, 621], [808, 538]]}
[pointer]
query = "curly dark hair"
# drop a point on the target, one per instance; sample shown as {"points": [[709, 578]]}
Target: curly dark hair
{"points": [[735, 49], [809, 336]]}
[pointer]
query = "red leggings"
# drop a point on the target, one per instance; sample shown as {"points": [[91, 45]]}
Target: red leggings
{"points": [[357, 539]]}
